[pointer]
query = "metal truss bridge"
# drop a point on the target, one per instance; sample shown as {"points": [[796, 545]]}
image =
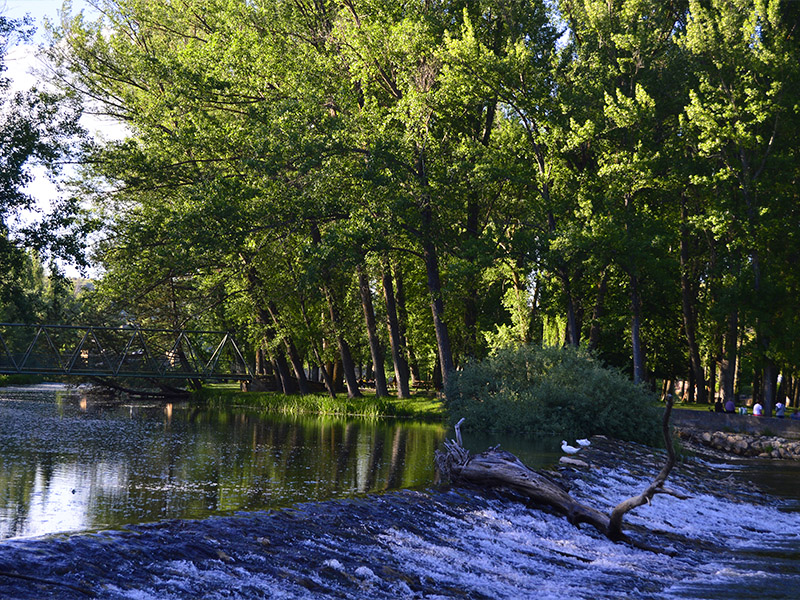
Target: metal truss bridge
{"points": [[120, 352]]}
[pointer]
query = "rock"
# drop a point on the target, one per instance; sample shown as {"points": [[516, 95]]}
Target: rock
{"points": [[572, 462], [745, 445]]}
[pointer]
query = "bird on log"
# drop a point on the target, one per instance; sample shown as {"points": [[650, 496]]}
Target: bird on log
{"points": [[500, 470]]}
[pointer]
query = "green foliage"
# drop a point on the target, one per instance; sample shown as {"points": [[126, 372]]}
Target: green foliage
{"points": [[19, 379], [421, 407], [532, 171], [38, 130], [32, 293], [531, 390]]}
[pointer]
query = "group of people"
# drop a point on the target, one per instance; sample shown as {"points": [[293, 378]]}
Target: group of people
{"points": [[758, 409]]}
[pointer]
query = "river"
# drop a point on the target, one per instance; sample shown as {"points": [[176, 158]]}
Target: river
{"points": [[157, 501]]}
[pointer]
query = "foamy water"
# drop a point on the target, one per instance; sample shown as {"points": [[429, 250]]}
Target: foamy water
{"points": [[727, 541]]}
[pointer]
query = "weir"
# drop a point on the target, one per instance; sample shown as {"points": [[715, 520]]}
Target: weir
{"points": [[128, 351]]}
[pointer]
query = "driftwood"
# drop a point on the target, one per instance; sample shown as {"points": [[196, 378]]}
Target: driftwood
{"points": [[502, 470], [656, 487]]}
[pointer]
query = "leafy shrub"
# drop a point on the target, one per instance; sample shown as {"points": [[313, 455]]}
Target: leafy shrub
{"points": [[547, 390]]}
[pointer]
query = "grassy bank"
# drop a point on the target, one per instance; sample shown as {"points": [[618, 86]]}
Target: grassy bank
{"points": [[419, 406], [20, 379], [710, 407]]}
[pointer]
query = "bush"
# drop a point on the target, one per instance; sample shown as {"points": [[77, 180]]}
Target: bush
{"points": [[557, 391]]}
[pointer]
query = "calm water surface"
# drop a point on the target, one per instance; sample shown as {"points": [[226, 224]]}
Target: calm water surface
{"points": [[70, 461]]}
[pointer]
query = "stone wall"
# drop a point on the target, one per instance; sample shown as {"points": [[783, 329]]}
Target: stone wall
{"points": [[743, 444], [757, 426]]}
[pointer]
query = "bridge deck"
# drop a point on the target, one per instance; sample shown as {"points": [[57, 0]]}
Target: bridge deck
{"points": [[128, 351]]}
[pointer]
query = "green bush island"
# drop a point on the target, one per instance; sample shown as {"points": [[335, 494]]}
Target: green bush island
{"points": [[549, 390]]}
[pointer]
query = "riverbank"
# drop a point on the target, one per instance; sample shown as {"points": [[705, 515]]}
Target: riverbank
{"points": [[423, 406], [743, 444], [6, 380], [742, 435]]}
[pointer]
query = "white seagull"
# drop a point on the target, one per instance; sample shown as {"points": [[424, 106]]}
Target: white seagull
{"points": [[569, 449], [583, 443]]}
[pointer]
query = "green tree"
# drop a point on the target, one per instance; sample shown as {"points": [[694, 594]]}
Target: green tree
{"points": [[743, 116], [623, 102], [37, 129]]}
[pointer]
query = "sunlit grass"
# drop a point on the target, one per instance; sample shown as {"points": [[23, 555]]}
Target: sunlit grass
{"points": [[692, 406], [420, 406], [710, 407], [20, 379]]}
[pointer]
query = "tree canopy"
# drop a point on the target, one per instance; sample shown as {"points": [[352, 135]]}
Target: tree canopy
{"points": [[407, 185], [39, 129]]}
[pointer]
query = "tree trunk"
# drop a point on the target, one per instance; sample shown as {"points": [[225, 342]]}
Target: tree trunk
{"points": [[255, 289], [285, 380], [770, 385], [402, 325], [727, 366], [291, 351], [337, 374], [437, 310], [597, 312], [757, 386], [322, 368], [639, 372], [375, 349], [688, 303], [280, 366], [712, 378], [400, 365], [614, 531], [573, 333], [431, 259], [348, 365], [261, 363], [500, 469]]}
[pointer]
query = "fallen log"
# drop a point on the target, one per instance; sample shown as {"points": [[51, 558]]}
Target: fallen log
{"points": [[501, 470]]}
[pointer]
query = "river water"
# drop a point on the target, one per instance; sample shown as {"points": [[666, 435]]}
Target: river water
{"points": [[138, 501]]}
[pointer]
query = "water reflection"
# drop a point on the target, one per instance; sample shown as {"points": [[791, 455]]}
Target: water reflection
{"points": [[70, 462]]}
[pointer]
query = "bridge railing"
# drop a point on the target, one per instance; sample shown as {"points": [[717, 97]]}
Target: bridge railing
{"points": [[127, 351]]}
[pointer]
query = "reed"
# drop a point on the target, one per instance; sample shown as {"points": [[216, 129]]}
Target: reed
{"points": [[420, 406]]}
